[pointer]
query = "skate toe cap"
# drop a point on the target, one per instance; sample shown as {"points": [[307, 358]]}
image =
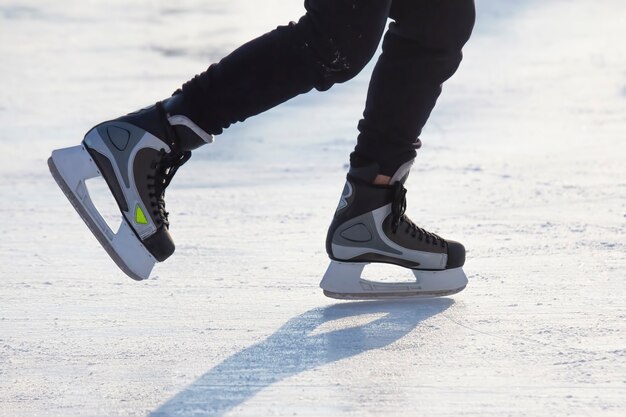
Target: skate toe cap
{"points": [[456, 255], [160, 244]]}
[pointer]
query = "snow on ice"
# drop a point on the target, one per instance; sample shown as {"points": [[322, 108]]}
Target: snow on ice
{"points": [[523, 161]]}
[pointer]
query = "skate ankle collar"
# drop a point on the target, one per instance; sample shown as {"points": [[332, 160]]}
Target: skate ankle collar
{"points": [[180, 120], [360, 182]]}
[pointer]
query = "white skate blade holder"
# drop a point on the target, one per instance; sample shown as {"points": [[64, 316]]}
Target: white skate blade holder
{"points": [[343, 280], [71, 167]]}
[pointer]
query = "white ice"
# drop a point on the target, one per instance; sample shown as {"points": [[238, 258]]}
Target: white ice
{"points": [[524, 160]]}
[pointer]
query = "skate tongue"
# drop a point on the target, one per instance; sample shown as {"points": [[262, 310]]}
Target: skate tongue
{"points": [[402, 173], [365, 173]]}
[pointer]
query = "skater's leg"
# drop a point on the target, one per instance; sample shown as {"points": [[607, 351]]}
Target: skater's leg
{"points": [[421, 49], [330, 44], [370, 226], [138, 154]]}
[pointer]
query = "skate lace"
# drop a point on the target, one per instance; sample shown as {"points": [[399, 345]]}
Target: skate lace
{"points": [[164, 168], [398, 207]]}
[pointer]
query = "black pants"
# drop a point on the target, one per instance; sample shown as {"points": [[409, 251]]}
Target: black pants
{"points": [[331, 44]]}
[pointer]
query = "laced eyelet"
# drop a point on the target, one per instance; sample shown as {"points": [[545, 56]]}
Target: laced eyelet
{"points": [[166, 168], [398, 208], [163, 169]]}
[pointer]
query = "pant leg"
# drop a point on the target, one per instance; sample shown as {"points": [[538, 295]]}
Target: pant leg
{"points": [[331, 43], [421, 49]]}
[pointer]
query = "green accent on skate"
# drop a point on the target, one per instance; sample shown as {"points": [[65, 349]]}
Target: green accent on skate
{"points": [[140, 217]]}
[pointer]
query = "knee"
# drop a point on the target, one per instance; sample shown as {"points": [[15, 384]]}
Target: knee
{"points": [[343, 62], [430, 36], [339, 52], [444, 25]]}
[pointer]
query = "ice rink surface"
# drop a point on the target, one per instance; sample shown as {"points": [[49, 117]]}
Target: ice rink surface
{"points": [[524, 161]]}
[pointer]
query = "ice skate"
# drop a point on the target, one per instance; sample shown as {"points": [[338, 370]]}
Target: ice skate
{"points": [[137, 155], [370, 226]]}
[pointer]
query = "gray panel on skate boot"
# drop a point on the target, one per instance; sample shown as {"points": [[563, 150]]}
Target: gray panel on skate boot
{"points": [[365, 221], [357, 233], [121, 156], [119, 137]]}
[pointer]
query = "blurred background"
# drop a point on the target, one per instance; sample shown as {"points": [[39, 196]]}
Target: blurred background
{"points": [[524, 161]]}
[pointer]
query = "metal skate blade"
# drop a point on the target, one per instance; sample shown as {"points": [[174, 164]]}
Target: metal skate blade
{"points": [[391, 295], [130, 256], [342, 280]]}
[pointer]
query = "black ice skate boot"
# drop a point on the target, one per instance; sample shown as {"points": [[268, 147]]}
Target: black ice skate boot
{"points": [[137, 155], [370, 226]]}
